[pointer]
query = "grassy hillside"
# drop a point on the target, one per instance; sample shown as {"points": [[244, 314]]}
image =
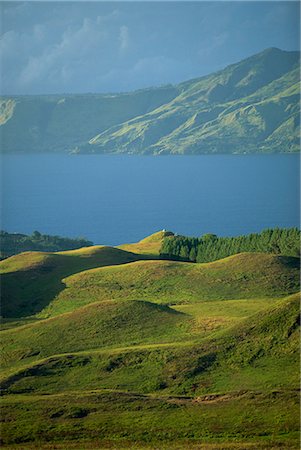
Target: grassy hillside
{"points": [[29, 281], [228, 390], [251, 106], [249, 355], [54, 123], [150, 245], [105, 324], [109, 351], [249, 275]]}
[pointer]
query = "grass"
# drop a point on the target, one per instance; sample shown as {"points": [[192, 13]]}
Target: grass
{"points": [[250, 355], [30, 280], [247, 275], [251, 106], [6, 110], [116, 419], [99, 325], [149, 353], [217, 114], [150, 245], [66, 121]]}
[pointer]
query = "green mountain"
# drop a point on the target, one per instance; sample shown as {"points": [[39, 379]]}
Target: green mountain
{"points": [[56, 123], [248, 107], [102, 347]]}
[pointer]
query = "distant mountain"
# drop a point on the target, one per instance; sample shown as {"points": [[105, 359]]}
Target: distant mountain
{"points": [[56, 123], [248, 107]]}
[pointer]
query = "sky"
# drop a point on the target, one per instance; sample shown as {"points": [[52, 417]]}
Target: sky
{"points": [[80, 47]]}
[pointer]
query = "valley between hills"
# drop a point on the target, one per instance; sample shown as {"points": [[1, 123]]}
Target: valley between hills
{"points": [[116, 347]]}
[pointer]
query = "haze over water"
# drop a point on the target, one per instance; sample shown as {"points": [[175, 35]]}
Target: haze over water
{"points": [[118, 199]]}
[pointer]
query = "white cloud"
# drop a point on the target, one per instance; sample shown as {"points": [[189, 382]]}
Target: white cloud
{"points": [[39, 32], [150, 71], [61, 53], [8, 43], [213, 43], [107, 46], [124, 37], [74, 47]]}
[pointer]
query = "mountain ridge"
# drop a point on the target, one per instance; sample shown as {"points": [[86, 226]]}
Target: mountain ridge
{"points": [[211, 115], [248, 107]]}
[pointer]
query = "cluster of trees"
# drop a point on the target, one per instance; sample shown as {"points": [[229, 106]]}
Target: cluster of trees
{"points": [[13, 243], [209, 247]]}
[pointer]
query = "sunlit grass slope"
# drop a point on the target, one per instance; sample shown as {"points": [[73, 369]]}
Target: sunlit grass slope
{"points": [[251, 106], [248, 107], [125, 351], [246, 275], [97, 325], [235, 388], [30, 280], [150, 245], [251, 355], [259, 353], [63, 122]]}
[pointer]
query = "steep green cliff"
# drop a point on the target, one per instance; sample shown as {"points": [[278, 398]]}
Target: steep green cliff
{"points": [[248, 107]]}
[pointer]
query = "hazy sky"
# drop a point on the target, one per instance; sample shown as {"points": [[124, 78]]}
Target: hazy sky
{"points": [[55, 47]]}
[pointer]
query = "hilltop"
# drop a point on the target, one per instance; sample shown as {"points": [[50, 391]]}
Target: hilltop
{"points": [[150, 245], [31, 279], [248, 107], [106, 347]]}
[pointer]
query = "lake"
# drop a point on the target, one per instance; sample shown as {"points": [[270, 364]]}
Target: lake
{"points": [[118, 199]]}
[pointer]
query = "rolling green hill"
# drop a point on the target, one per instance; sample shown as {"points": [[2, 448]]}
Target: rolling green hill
{"points": [[233, 391], [32, 279], [150, 245], [247, 275], [230, 361], [44, 283], [105, 348], [251, 106]]}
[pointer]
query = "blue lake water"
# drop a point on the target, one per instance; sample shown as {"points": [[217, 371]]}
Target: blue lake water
{"points": [[118, 199]]}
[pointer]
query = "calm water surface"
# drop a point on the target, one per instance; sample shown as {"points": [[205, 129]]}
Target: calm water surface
{"points": [[118, 199]]}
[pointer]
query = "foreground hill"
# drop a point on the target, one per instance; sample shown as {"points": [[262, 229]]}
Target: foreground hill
{"points": [[34, 282], [194, 366], [106, 348], [247, 275], [105, 324], [250, 106], [234, 391], [31, 280]]}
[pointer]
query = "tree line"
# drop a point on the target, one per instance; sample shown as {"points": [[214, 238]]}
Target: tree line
{"points": [[13, 243], [209, 247]]}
